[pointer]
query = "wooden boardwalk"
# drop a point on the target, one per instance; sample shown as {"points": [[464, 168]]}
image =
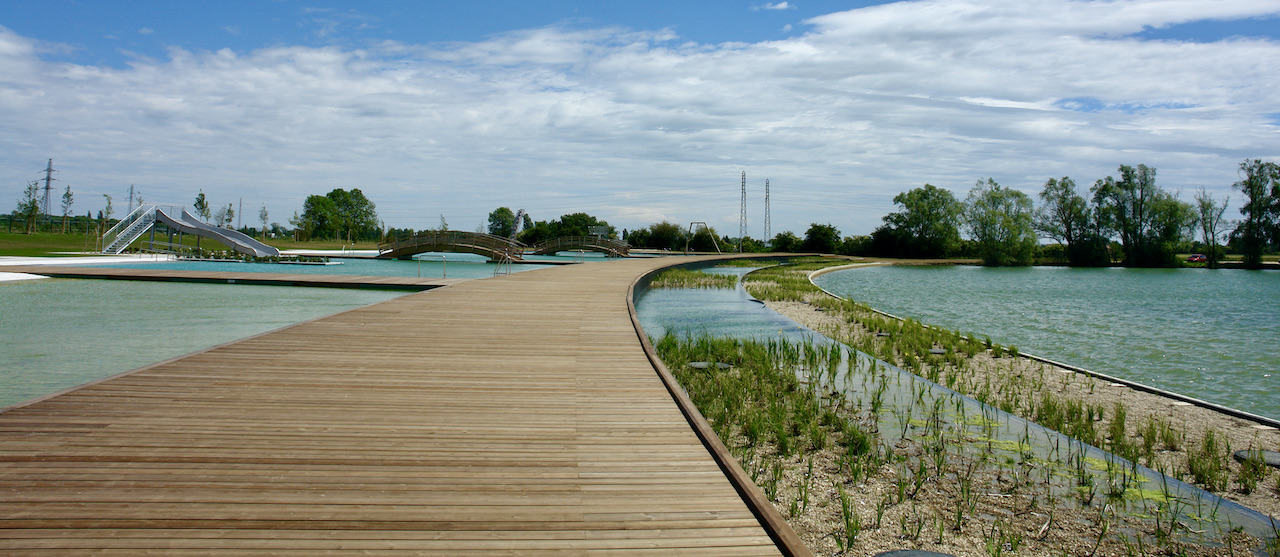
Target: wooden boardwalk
{"points": [[514, 415]]}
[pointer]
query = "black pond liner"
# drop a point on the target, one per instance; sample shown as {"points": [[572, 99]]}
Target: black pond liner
{"points": [[911, 403]]}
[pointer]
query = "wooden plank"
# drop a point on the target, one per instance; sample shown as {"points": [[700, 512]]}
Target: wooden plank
{"points": [[514, 415]]}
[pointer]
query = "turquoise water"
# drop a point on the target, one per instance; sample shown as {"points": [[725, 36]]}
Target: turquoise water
{"points": [[457, 265], [715, 311], [59, 333], [1209, 334]]}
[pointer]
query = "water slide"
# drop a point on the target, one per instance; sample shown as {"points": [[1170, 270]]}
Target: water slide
{"points": [[236, 240]]}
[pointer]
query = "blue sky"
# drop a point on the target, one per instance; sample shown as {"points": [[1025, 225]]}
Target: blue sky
{"points": [[634, 112]]}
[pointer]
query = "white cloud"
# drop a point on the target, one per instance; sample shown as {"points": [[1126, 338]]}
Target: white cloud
{"points": [[638, 126], [145, 31]]}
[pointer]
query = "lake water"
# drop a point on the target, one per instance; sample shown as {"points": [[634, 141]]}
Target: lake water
{"points": [[1209, 334], [59, 333], [451, 265]]}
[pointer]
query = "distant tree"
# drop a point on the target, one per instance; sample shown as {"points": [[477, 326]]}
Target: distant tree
{"points": [[1211, 226], [502, 222], [68, 199], [580, 224], [29, 205], [752, 245], [355, 216], [202, 207], [320, 217], [821, 238], [575, 224], [855, 245], [1149, 222], [299, 224], [229, 216], [1260, 183], [1064, 215], [262, 218], [786, 242], [704, 239], [666, 235], [663, 235], [927, 226], [1000, 220]]}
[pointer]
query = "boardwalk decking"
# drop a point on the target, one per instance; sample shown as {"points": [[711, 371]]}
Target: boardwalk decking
{"points": [[511, 415]]}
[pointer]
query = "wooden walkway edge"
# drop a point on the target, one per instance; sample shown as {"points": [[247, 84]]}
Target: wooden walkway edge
{"points": [[514, 415]]}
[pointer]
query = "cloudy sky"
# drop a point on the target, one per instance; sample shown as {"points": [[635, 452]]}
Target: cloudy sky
{"points": [[634, 113]]}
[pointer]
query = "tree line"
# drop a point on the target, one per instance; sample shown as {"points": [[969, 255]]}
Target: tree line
{"points": [[1126, 219]]}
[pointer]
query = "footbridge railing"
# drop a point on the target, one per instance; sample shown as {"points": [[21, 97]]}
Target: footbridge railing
{"points": [[612, 248], [495, 248]]}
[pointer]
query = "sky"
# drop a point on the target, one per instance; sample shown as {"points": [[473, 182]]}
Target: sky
{"points": [[633, 112]]}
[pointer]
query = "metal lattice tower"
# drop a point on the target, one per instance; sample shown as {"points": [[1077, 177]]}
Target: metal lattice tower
{"points": [[48, 177], [766, 211], [742, 219]]}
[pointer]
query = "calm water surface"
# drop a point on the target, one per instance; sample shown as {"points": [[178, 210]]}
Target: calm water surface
{"points": [[1209, 334], [59, 333], [451, 265]]}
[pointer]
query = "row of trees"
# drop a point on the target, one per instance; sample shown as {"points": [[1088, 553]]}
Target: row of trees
{"points": [[1148, 224], [502, 222]]}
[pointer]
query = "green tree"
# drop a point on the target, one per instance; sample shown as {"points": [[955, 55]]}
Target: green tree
{"points": [[928, 225], [202, 207], [355, 216], [821, 238], [228, 215], [1211, 226], [575, 224], [502, 222], [320, 217], [704, 239], [1000, 220], [1067, 217], [262, 218], [1260, 183], [29, 205], [785, 242], [663, 235], [68, 199], [1149, 222]]}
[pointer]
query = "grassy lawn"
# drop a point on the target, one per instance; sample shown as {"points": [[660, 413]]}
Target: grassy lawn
{"points": [[44, 244]]}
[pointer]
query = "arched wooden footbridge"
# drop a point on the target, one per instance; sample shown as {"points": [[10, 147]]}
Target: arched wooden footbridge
{"points": [[433, 423], [496, 248], [612, 248]]}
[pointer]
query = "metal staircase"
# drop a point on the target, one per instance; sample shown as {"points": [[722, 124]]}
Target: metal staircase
{"points": [[129, 228]]}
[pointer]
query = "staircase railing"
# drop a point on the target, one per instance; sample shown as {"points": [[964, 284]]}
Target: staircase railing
{"points": [[128, 229]]}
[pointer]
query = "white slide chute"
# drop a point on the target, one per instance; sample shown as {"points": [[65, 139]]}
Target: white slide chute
{"points": [[142, 219]]}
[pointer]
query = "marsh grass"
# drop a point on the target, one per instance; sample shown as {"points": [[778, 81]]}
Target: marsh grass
{"points": [[685, 278]]}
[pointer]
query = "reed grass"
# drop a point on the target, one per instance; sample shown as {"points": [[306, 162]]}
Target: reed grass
{"points": [[685, 278]]}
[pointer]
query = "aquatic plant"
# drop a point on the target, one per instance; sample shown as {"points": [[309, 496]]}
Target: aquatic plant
{"points": [[676, 277]]}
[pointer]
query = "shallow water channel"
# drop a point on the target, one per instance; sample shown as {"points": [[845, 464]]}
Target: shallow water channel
{"points": [[905, 405]]}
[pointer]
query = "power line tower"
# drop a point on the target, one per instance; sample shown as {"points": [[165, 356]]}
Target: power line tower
{"points": [[45, 206], [767, 237], [742, 218]]}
